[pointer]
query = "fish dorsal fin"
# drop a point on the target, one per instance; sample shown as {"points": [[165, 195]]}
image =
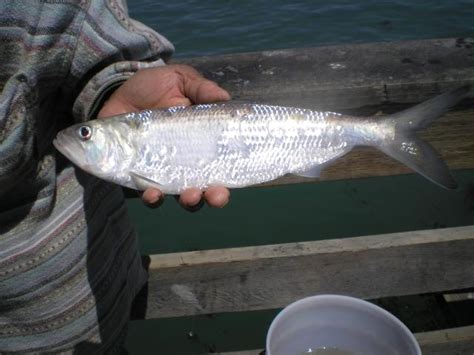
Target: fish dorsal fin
{"points": [[142, 183]]}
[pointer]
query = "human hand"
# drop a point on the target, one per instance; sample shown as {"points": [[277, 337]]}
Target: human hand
{"points": [[171, 85]]}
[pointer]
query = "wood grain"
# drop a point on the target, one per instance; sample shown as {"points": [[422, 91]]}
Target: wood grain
{"points": [[272, 276], [455, 341], [344, 76]]}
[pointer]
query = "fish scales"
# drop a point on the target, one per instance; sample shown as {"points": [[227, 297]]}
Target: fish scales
{"points": [[237, 145], [230, 145]]}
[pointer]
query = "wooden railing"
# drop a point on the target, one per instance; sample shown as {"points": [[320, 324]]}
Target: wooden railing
{"points": [[357, 79], [271, 276]]}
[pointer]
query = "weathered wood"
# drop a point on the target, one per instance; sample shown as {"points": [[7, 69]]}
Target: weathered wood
{"points": [[459, 297], [344, 76], [352, 76], [272, 276], [455, 341]]}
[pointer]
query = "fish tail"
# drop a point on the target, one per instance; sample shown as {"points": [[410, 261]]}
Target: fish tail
{"points": [[414, 152]]}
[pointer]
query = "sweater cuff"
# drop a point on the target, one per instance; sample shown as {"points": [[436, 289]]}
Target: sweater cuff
{"points": [[92, 96]]}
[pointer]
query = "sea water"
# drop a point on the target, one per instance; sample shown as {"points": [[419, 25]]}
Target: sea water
{"points": [[326, 351], [206, 27], [334, 340]]}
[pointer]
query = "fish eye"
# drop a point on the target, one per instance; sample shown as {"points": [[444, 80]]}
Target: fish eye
{"points": [[85, 132]]}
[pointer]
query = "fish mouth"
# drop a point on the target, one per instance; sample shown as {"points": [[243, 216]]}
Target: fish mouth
{"points": [[73, 151], [68, 148], [60, 144]]}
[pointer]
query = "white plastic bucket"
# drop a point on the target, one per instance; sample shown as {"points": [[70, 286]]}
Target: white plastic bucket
{"points": [[333, 324]]}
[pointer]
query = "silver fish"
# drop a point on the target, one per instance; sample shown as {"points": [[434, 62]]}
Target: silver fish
{"points": [[237, 145]]}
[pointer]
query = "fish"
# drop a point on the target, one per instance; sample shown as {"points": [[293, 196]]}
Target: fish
{"points": [[243, 144]]}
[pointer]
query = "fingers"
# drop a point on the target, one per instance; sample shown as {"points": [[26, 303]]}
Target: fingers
{"points": [[217, 196], [175, 101], [191, 199], [204, 91], [166, 86], [152, 197], [198, 89]]}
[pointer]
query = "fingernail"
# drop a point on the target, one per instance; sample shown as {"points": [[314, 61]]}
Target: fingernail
{"points": [[155, 204], [194, 208], [218, 200]]}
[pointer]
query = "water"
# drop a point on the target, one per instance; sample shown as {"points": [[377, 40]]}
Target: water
{"points": [[198, 27], [326, 351], [339, 339]]}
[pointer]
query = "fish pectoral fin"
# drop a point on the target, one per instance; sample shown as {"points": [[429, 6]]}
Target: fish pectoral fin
{"points": [[314, 172], [142, 183]]}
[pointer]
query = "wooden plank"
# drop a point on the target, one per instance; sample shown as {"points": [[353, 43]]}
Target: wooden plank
{"points": [[344, 76], [459, 297], [352, 76], [455, 341], [272, 276]]}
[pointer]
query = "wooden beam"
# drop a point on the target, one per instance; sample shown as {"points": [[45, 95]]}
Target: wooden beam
{"points": [[272, 276], [455, 341], [344, 76], [459, 297]]}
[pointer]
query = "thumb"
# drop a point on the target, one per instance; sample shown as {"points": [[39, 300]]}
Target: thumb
{"points": [[198, 89], [204, 91], [175, 101]]}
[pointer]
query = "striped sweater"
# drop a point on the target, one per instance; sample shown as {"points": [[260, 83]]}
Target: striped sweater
{"points": [[69, 262]]}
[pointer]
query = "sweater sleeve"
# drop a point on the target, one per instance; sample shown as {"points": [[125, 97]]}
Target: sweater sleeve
{"points": [[59, 58], [110, 48]]}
